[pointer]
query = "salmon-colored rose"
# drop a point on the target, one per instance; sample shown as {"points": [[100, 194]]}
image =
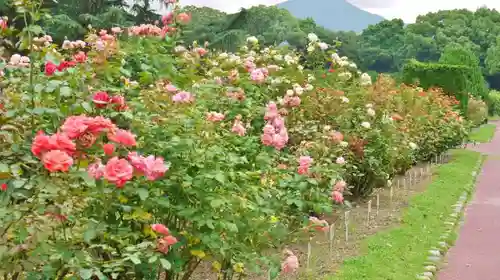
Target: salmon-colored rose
{"points": [[120, 136], [108, 149], [118, 171], [57, 160]]}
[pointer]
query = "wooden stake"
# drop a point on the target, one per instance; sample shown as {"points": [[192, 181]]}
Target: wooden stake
{"points": [[369, 212], [309, 250], [346, 223], [332, 237], [378, 203], [391, 193]]}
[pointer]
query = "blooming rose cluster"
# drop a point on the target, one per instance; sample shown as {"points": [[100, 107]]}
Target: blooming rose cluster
{"points": [[215, 117], [166, 241], [51, 67], [102, 100], [18, 60], [275, 133], [58, 150], [304, 165], [259, 75], [337, 191]]}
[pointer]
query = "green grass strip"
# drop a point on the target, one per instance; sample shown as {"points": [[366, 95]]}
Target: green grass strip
{"points": [[400, 253], [483, 134]]}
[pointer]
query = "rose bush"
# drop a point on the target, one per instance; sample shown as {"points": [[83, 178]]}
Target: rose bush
{"points": [[128, 155]]}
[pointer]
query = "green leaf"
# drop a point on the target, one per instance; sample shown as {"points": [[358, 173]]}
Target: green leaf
{"points": [[165, 264], [39, 88], [135, 259], [86, 106], [38, 111], [65, 91], [216, 203], [86, 273], [143, 193], [220, 177], [89, 234], [153, 259], [232, 227], [4, 168]]}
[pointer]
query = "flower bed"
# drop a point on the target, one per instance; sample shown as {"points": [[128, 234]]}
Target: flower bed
{"points": [[130, 155]]}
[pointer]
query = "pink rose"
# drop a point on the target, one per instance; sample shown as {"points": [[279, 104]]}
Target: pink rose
{"points": [[120, 136], [118, 171], [160, 228], [96, 170], [57, 160]]}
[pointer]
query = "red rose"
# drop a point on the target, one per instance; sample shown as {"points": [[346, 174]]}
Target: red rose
{"points": [[101, 99], [50, 68]]}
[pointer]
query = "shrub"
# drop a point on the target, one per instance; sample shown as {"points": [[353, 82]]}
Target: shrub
{"points": [[456, 80], [477, 111], [493, 101]]}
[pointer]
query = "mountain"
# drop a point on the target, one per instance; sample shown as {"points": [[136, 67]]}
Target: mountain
{"points": [[337, 15]]}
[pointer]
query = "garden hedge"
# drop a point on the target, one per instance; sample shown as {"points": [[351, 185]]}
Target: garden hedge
{"points": [[456, 80]]}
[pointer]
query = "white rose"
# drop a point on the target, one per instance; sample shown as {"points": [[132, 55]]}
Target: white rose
{"points": [[310, 48], [366, 124], [309, 87], [312, 37], [323, 46], [15, 59], [340, 160], [412, 145], [344, 99], [370, 112], [344, 144], [252, 40], [289, 92]]}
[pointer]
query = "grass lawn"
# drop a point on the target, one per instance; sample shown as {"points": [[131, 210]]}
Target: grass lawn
{"points": [[483, 134], [400, 253]]}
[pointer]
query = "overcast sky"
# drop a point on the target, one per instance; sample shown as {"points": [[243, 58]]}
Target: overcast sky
{"points": [[405, 9]]}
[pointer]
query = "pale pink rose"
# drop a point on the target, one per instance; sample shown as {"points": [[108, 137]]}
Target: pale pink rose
{"points": [[340, 160], [238, 128], [291, 263], [155, 167], [96, 170], [340, 186]]}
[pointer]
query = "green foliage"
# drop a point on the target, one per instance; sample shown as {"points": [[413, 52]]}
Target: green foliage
{"points": [[453, 79], [493, 101], [477, 111]]}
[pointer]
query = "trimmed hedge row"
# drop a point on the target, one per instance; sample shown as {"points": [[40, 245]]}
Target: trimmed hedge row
{"points": [[455, 80]]}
